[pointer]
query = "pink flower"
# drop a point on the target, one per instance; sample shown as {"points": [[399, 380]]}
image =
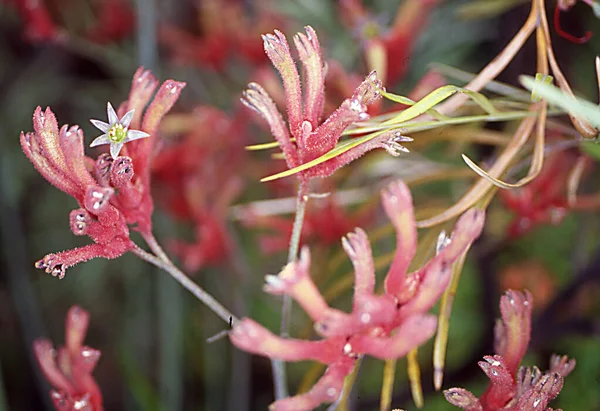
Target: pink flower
{"points": [[307, 136], [119, 192], [386, 326], [512, 388], [69, 370]]}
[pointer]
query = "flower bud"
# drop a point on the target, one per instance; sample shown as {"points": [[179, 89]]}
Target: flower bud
{"points": [[102, 169], [97, 199], [79, 220], [121, 171]]}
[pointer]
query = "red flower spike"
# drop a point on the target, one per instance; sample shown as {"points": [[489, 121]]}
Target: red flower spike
{"points": [[309, 51], [118, 196], [327, 389], [502, 388], [143, 86], [294, 280], [70, 371], [511, 390], [312, 139], [462, 398], [358, 248], [379, 326], [561, 365], [252, 337], [512, 333], [398, 205], [412, 333]]}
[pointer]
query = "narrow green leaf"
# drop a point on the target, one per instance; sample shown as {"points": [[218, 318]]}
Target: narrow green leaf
{"points": [[576, 106]]}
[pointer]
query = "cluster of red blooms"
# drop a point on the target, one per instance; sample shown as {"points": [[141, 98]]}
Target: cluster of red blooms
{"points": [[113, 191], [545, 199], [388, 51], [514, 388], [227, 31], [69, 370], [193, 187], [114, 20], [384, 326], [307, 137], [540, 202], [325, 222]]}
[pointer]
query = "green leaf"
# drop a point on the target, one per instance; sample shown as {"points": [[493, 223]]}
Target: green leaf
{"points": [[591, 148], [406, 128], [574, 105], [436, 97]]}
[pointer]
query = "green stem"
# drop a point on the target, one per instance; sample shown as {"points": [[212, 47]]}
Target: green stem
{"points": [[279, 373], [165, 264]]}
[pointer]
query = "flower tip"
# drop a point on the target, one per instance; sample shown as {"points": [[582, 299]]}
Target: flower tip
{"points": [[462, 398], [273, 285]]}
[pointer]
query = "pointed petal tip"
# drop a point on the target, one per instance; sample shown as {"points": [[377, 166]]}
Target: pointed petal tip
{"points": [[100, 140]]}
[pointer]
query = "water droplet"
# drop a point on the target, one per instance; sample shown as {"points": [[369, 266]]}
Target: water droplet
{"points": [[347, 348], [365, 318], [331, 391]]}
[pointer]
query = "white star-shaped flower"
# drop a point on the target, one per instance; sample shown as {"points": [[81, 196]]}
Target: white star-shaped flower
{"points": [[116, 132]]}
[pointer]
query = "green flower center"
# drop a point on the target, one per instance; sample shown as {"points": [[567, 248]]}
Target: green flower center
{"points": [[117, 133]]}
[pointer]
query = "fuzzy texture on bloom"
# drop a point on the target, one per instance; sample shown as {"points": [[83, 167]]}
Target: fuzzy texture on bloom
{"points": [[388, 50], [384, 326], [192, 185], [306, 137], [69, 369], [512, 388], [117, 194]]}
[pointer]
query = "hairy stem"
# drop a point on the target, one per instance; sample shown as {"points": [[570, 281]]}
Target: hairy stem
{"points": [[165, 264], [279, 374]]}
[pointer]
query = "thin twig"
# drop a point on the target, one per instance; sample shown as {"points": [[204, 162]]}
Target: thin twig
{"points": [[279, 374], [188, 284]]}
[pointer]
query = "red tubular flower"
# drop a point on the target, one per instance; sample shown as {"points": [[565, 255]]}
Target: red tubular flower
{"points": [[385, 327], [312, 137], [69, 370], [227, 31], [325, 222], [512, 388], [389, 52], [543, 201], [45, 21], [116, 196], [192, 185]]}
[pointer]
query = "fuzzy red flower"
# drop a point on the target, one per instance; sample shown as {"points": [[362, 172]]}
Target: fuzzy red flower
{"points": [[118, 195], [227, 31], [307, 137], [543, 201], [69, 369], [193, 187], [512, 388], [384, 327], [114, 20], [389, 51], [325, 222]]}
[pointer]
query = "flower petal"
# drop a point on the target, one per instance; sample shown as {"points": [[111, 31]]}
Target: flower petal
{"points": [[112, 115], [100, 125], [115, 149], [98, 141], [135, 135], [126, 119]]}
